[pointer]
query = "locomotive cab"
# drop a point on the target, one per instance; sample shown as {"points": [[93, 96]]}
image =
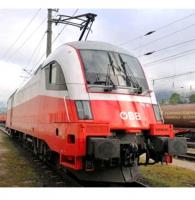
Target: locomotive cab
{"points": [[119, 96], [91, 104]]}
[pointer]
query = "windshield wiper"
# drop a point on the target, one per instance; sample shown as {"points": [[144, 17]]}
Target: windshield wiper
{"points": [[111, 86], [129, 81]]}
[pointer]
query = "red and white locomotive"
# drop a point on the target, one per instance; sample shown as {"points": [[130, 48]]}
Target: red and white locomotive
{"points": [[89, 104]]}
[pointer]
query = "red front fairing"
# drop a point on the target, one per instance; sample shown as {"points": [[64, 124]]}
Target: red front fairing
{"points": [[110, 111]]}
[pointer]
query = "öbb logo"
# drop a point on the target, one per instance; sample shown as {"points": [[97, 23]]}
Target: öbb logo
{"points": [[130, 115]]}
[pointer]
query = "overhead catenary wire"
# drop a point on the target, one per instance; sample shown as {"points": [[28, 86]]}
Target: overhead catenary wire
{"points": [[155, 30], [64, 27], [37, 56], [36, 48], [168, 58], [42, 56], [27, 39], [22, 32], [56, 37], [30, 71], [40, 59], [168, 47], [174, 22], [163, 37], [173, 76]]}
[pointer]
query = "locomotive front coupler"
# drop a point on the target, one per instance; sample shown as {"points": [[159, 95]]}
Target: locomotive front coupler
{"points": [[113, 154], [157, 148], [113, 151]]}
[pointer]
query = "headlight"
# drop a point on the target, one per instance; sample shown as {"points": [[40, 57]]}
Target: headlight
{"points": [[83, 109], [157, 112]]}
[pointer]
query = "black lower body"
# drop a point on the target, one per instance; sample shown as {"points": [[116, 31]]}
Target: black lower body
{"points": [[116, 159], [115, 175], [111, 159]]}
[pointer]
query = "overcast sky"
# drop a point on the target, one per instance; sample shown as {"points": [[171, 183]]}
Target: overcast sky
{"points": [[125, 28]]}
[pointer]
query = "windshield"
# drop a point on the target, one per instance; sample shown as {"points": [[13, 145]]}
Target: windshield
{"points": [[118, 69]]}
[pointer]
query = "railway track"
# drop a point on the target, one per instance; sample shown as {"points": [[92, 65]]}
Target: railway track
{"points": [[52, 177], [187, 156], [191, 144], [190, 156]]}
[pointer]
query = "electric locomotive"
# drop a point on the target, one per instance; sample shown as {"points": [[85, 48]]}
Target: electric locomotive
{"points": [[89, 104]]}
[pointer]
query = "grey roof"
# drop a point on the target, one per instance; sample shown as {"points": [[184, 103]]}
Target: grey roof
{"points": [[97, 45]]}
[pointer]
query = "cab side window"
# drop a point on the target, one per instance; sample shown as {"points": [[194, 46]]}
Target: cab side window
{"points": [[53, 74], [55, 79]]}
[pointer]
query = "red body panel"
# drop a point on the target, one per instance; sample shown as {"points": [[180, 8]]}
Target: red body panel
{"points": [[109, 111], [162, 130], [35, 113], [41, 116]]}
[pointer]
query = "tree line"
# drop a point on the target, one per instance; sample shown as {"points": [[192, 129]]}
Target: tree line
{"points": [[175, 98]]}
